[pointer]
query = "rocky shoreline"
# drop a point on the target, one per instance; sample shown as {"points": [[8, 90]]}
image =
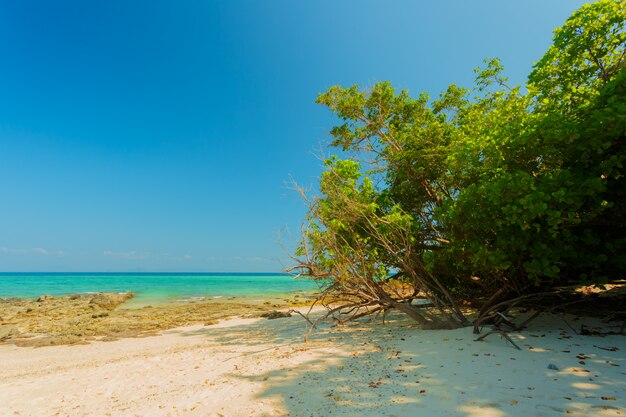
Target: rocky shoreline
{"points": [[80, 318]]}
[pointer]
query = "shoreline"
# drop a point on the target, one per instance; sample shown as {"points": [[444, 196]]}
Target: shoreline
{"points": [[77, 318], [140, 302]]}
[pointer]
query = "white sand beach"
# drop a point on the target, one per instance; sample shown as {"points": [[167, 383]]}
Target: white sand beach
{"points": [[259, 367]]}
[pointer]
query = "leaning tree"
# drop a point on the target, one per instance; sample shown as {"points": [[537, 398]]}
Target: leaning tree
{"points": [[492, 195]]}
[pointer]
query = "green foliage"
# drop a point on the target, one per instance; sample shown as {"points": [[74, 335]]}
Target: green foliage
{"points": [[587, 52], [493, 186]]}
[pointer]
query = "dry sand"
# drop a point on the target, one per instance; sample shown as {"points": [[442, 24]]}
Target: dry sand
{"points": [[259, 367]]}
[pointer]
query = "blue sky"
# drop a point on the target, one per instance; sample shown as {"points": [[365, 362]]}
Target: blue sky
{"points": [[159, 136]]}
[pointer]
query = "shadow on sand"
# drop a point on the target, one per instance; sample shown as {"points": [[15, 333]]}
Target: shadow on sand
{"points": [[368, 369]]}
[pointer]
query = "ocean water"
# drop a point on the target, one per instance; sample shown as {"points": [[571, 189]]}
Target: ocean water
{"points": [[152, 287]]}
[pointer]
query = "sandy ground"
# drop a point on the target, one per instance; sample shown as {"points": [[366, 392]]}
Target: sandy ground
{"points": [[258, 367]]}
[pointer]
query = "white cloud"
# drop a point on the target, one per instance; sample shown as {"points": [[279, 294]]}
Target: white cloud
{"points": [[125, 255], [185, 257], [30, 251], [257, 259], [133, 254]]}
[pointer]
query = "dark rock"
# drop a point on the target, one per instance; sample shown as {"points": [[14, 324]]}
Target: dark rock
{"points": [[109, 301], [271, 315]]}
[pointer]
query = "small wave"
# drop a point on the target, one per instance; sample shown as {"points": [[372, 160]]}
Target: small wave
{"points": [[187, 299]]}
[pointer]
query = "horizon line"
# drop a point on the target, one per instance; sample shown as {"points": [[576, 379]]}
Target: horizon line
{"points": [[143, 272]]}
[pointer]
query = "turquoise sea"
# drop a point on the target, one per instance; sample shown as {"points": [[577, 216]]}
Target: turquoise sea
{"points": [[154, 287]]}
